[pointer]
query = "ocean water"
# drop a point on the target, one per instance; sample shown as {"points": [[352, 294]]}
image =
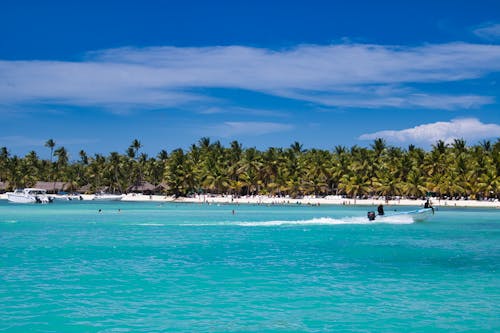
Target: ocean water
{"points": [[149, 267]]}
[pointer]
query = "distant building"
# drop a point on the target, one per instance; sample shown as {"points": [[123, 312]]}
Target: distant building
{"points": [[53, 187], [142, 187]]}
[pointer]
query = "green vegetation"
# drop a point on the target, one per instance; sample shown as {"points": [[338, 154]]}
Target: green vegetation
{"points": [[454, 170]]}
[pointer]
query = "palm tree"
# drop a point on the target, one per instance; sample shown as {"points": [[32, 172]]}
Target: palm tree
{"points": [[459, 145], [136, 166], [83, 157], [234, 155], [178, 173], [61, 164], [354, 184], [50, 144], [250, 168], [296, 147], [114, 173], [136, 145], [96, 172], [378, 147], [486, 145], [163, 155], [415, 184], [131, 153], [317, 167], [4, 159]]}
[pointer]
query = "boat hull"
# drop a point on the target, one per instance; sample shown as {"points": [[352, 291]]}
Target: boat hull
{"points": [[420, 215], [29, 196], [66, 197], [20, 198], [108, 197], [417, 215]]}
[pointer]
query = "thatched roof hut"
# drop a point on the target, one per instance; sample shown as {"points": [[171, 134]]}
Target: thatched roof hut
{"points": [[142, 187], [53, 187], [162, 188], [84, 189]]}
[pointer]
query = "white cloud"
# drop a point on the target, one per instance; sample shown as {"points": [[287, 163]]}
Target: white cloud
{"points": [[373, 99], [23, 141], [470, 129], [20, 141], [347, 75], [490, 32], [247, 128], [243, 111]]}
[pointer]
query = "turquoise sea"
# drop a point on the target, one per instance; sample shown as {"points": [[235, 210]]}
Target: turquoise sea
{"points": [[149, 267]]}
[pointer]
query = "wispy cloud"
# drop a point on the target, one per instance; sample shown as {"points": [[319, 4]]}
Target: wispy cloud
{"points": [[247, 128], [372, 99], [469, 129], [242, 111], [24, 141], [490, 31], [20, 141], [347, 75]]}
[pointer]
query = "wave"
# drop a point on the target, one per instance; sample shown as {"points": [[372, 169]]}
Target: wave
{"points": [[331, 221], [396, 219], [151, 224]]}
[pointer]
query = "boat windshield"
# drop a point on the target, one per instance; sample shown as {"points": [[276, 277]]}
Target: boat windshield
{"points": [[36, 192]]}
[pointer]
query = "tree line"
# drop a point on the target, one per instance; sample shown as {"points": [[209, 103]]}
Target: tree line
{"points": [[446, 170]]}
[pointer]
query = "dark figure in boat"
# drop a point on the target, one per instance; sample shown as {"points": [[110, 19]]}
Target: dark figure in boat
{"points": [[427, 204], [380, 210]]}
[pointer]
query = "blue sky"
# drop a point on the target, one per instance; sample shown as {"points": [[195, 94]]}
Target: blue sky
{"points": [[96, 75]]}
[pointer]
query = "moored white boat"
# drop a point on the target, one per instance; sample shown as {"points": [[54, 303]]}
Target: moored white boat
{"points": [[107, 197], [68, 196], [29, 195]]}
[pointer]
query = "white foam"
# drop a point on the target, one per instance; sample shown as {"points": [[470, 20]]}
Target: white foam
{"points": [[331, 221], [151, 224], [400, 219]]}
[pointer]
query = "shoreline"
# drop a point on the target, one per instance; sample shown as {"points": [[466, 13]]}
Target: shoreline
{"points": [[336, 201], [313, 201]]}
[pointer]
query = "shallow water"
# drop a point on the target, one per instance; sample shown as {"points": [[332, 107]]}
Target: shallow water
{"points": [[153, 267]]}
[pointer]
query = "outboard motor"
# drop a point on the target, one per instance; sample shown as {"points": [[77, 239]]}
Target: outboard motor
{"points": [[371, 216]]}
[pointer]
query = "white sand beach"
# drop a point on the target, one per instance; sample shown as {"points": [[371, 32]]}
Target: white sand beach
{"points": [[270, 200], [329, 200]]}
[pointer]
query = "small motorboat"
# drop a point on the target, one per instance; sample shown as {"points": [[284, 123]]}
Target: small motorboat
{"points": [[29, 195], [64, 196]]}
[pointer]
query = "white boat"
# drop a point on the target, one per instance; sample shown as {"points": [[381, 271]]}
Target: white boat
{"points": [[68, 196], [29, 195], [107, 197], [417, 215]]}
